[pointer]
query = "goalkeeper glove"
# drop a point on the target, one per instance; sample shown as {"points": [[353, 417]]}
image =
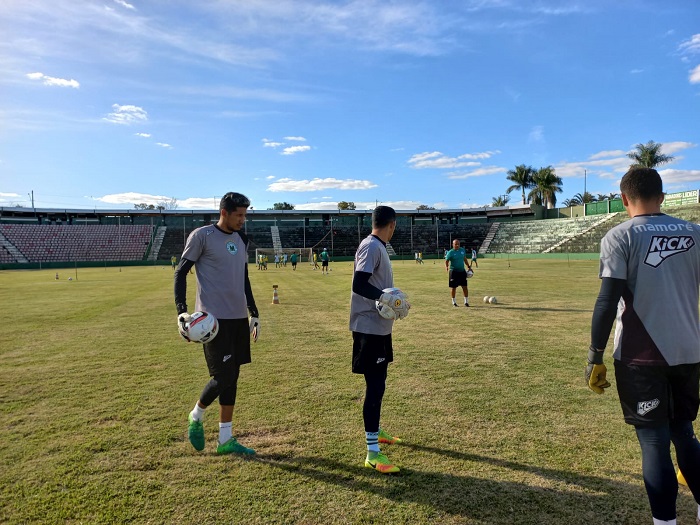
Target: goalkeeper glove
{"points": [[596, 371], [182, 320], [254, 328], [386, 299]]}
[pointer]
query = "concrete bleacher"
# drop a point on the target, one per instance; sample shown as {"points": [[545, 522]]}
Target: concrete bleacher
{"points": [[539, 236], [94, 242]]}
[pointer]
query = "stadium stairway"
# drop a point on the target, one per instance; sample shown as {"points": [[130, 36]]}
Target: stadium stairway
{"points": [[12, 250], [276, 241], [157, 243]]}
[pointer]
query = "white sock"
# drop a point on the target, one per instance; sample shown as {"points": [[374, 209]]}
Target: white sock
{"points": [[197, 412], [372, 441], [665, 522], [224, 432], [466, 300], [698, 513], [454, 301]]}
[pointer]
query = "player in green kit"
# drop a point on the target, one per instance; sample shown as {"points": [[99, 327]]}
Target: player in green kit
{"points": [[455, 261]]}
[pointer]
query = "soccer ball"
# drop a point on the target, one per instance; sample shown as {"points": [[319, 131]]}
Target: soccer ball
{"points": [[398, 308], [493, 300], [470, 274], [486, 298], [202, 327]]}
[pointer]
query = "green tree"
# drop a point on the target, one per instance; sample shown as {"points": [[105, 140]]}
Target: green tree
{"points": [[501, 200], [522, 179], [546, 184], [282, 206], [144, 206], [648, 155], [424, 207], [343, 205]]}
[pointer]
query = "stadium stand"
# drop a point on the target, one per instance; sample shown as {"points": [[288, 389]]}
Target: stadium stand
{"points": [[50, 242]]}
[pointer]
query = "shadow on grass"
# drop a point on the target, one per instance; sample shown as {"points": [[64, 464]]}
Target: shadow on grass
{"points": [[564, 497], [505, 306]]}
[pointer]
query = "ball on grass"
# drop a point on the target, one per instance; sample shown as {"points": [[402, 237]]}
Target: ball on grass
{"points": [[493, 300], [486, 298]]}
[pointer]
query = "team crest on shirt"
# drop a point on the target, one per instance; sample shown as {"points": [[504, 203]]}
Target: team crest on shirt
{"points": [[662, 247], [231, 247]]}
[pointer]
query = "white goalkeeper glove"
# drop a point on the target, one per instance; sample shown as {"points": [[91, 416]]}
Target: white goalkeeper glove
{"points": [[182, 321], [254, 328], [386, 299]]}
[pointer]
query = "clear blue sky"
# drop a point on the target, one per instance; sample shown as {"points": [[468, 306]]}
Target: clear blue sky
{"points": [[107, 103]]}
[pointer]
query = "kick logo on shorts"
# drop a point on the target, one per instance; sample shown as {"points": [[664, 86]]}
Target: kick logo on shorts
{"points": [[644, 407], [662, 247], [231, 247]]}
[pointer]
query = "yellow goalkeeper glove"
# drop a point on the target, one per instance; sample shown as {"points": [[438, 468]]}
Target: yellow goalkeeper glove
{"points": [[596, 371]]}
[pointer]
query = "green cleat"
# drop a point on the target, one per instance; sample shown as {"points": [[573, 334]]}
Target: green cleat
{"points": [[195, 433], [379, 461], [232, 446], [385, 437]]}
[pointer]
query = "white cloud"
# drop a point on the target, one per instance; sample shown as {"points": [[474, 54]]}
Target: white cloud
{"points": [[164, 145], [320, 184], [298, 139], [199, 203], [609, 153], [479, 172], [53, 81], [124, 4], [126, 114], [295, 149], [131, 198], [671, 176], [267, 143], [436, 159], [536, 134], [5, 195], [269, 177], [144, 135], [669, 148], [691, 46], [694, 77]]}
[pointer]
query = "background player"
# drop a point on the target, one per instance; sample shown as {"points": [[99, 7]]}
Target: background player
{"points": [[372, 350], [219, 254], [650, 272], [455, 260]]}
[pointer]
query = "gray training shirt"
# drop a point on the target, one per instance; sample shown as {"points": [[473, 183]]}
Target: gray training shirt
{"points": [[657, 316], [220, 261], [371, 257]]}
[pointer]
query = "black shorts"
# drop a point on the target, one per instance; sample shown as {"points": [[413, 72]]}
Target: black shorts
{"points": [[324, 263], [650, 395], [457, 278], [370, 352], [230, 348]]}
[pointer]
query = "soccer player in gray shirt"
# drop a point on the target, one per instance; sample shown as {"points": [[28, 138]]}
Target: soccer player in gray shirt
{"points": [[372, 350], [650, 272], [219, 255]]}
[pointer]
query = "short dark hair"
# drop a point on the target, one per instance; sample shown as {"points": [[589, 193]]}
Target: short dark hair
{"points": [[641, 184], [382, 216], [231, 201]]}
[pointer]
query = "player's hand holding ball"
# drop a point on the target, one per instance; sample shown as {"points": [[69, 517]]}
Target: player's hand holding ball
{"points": [[596, 371], [393, 304], [182, 320]]}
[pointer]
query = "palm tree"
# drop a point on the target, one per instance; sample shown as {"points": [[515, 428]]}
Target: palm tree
{"points": [[501, 200], [648, 155], [546, 185], [521, 177]]}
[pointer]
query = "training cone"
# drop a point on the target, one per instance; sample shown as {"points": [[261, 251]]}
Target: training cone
{"points": [[275, 297], [681, 478]]}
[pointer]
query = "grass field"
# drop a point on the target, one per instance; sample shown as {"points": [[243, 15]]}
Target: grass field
{"points": [[95, 387]]}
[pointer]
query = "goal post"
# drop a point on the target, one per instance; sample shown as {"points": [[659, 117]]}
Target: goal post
{"points": [[304, 254]]}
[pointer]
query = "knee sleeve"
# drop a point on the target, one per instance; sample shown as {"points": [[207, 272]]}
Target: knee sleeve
{"points": [[222, 386]]}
